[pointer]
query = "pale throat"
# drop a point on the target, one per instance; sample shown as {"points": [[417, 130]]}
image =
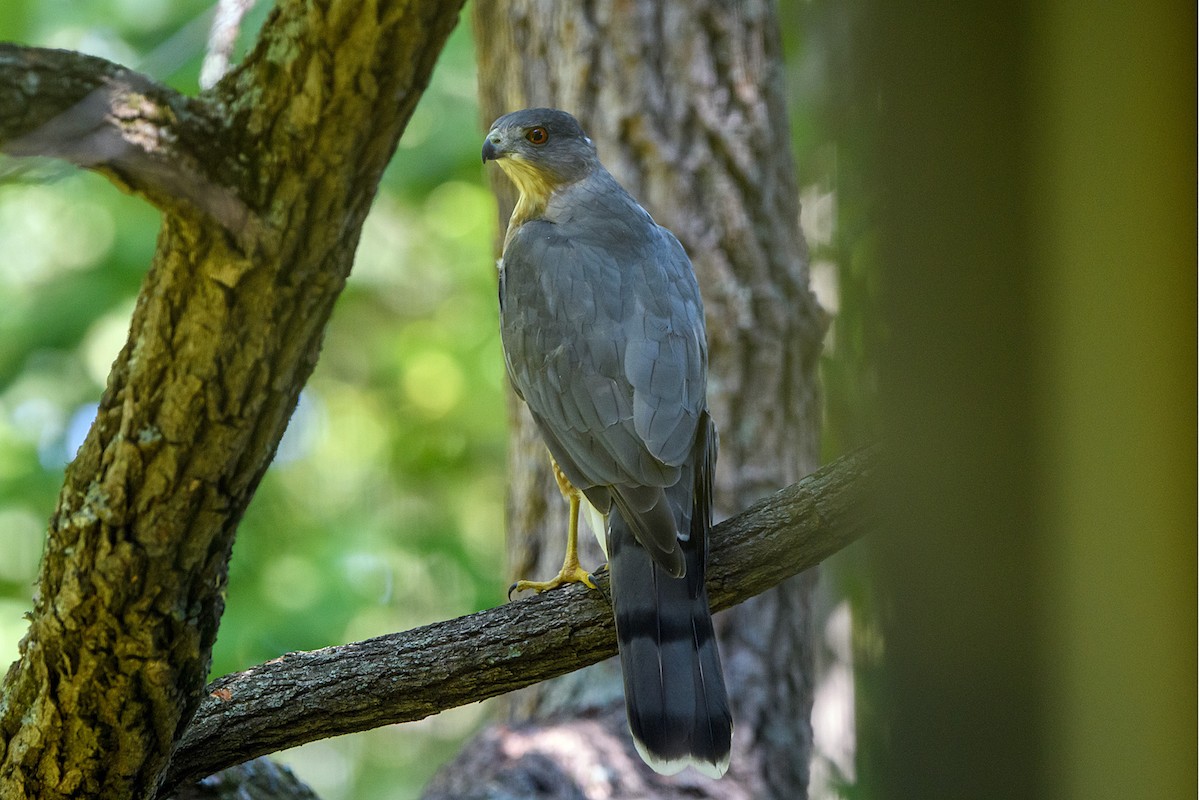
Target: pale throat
{"points": [[534, 191]]}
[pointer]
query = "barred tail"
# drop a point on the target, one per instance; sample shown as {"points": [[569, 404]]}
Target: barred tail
{"points": [[674, 690]]}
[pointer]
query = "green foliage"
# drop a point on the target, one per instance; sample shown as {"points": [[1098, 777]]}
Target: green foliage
{"points": [[384, 507]]}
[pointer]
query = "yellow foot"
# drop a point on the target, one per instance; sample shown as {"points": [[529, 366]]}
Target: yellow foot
{"points": [[570, 573]]}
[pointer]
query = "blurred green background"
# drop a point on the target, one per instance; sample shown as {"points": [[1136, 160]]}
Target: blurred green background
{"points": [[384, 507]]}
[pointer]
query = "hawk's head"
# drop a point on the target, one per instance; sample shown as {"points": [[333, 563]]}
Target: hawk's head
{"points": [[540, 149]]}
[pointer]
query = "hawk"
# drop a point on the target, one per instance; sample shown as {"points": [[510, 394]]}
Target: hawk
{"points": [[604, 339]]}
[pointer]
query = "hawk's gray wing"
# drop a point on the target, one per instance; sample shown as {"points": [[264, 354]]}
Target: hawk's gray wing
{"points": [[603, 333]]}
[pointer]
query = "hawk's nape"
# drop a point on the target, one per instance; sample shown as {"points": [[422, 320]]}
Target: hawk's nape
{"points": [[604, 339]]}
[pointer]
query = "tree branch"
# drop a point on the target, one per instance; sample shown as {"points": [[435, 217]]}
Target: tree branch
{"points": [[301, 697], [145, 137], [222, 37]]}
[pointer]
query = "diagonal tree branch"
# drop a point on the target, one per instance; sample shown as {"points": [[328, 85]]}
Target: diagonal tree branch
{"points": [[145, 137], [301, 697]]}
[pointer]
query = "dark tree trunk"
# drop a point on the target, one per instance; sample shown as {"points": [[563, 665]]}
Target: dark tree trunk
{"points": [[685, 103]]}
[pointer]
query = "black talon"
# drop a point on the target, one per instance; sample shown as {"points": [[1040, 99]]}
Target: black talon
{"points": [[599, 588], [512, 589]]}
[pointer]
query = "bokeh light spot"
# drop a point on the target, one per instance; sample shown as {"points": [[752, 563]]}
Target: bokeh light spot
{"points": [[291, 582], [457, 208], [433, 382], [32, 219]]}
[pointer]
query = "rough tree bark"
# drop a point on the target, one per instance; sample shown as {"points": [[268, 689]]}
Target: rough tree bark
{"points": [[264, 183], [685, 102]]}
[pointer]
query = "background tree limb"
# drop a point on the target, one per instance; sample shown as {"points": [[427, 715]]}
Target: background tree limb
{"points": [[407, 676], [144, 136], [260, 779]]}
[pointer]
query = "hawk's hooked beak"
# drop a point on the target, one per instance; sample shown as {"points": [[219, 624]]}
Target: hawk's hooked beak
{"points": [[490, 151]]}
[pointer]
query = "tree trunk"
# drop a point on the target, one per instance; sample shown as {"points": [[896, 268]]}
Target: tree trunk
{"points": [[685, 103], [264, 184]]}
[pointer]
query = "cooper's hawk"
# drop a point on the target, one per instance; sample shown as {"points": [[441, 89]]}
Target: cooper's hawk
{"points": [[603, 334]]}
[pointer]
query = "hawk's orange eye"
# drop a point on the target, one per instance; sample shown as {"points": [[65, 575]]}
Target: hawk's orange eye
{"points": [[537, 136]]}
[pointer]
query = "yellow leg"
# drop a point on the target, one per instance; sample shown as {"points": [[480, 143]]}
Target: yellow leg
{"points": [[571, 572]]}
